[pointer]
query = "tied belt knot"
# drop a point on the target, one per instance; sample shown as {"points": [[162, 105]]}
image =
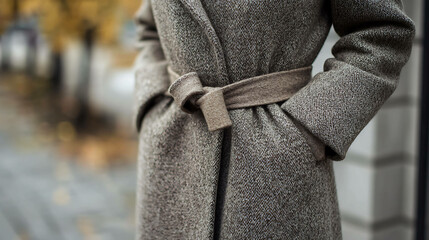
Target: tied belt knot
{"points": [[190, 95]]}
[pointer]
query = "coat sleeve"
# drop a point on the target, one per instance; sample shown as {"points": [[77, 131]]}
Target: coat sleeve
{"points": [[375, 43], [151, 76]]}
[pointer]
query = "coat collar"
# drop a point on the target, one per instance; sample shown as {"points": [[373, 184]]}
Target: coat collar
{"points": [[199, 13]]}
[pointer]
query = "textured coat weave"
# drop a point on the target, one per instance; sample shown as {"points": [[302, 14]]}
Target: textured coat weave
{"points": [[263, 177]]}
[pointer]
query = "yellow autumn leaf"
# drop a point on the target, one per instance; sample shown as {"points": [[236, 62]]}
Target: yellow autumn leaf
{"points": [[6, 14], [61, 20], [29, 7]]}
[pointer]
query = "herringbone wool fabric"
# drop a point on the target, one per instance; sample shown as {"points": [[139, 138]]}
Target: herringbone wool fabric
{"points": [[263, 177]]}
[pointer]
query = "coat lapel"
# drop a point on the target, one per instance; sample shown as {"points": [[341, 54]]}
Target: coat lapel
{"points": [[198, 12]]}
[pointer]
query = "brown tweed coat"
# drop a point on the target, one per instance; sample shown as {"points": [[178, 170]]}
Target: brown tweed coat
{"points": [[267, 176]]}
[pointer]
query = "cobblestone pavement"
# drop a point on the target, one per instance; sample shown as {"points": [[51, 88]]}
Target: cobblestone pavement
{"points": [[47, 195]]}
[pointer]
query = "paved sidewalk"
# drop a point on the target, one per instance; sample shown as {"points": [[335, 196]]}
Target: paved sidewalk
{"points": [[46, 195]]}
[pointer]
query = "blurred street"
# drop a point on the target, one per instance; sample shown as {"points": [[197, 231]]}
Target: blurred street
{"points": [[55, 183]]}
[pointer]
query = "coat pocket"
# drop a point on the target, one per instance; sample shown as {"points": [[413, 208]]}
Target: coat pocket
{"points": [[316, 146]]}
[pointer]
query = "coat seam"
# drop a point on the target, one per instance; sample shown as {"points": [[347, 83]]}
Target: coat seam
{"points": [[222, 182]]}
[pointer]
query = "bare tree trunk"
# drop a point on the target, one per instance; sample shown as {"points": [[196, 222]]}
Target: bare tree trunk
{"points": [[56, 73], [83, 89]]}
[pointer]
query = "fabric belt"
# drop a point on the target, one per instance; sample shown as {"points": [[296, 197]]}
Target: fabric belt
{"points": [[190, 95]]}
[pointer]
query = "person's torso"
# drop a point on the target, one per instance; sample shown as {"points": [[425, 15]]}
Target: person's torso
{"points": [[241, 38]]}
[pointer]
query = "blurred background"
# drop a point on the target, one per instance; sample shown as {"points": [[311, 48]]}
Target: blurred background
{"points": [[67, 144], [68, 147]]}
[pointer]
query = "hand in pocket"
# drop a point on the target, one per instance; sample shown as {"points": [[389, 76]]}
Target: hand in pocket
{"points": [[315, 144]]}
